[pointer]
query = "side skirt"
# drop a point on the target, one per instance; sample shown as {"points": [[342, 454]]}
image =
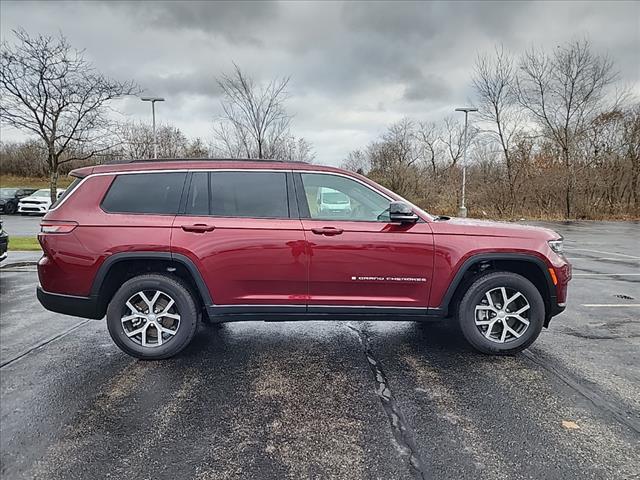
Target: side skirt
{"points": [[285, 313]]}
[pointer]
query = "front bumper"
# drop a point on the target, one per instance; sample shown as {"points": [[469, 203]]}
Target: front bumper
{"points": [[32, 208], [4, 245], [558, 298], [85, 307]]}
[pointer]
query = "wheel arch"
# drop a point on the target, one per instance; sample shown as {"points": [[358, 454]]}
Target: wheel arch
{"points": [[529, 266], [120, 267]]}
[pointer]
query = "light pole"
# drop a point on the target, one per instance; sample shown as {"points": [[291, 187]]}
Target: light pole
{"points": [[153, 101], [463, 209]]}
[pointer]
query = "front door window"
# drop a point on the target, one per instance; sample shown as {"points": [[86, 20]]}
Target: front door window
{"points": [[332, 197]]}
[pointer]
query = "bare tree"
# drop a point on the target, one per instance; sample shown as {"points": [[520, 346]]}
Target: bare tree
{"points": [[631, 142], [292, 149], [453, 139], [564, 92], [357, 161], [49, 89], [254, 120], [494, 83], [428, 135], [27, 159], [136, 141], [196, 148], [396, 156]]}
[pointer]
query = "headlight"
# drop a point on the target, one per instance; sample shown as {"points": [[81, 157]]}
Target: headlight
{"points": [[556, 245]]}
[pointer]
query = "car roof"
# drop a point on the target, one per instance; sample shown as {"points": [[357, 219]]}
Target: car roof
{"points": [[196, 164]]}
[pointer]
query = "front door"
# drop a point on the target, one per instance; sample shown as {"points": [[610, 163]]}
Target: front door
{"points": [[245, 237], [357, 258]]}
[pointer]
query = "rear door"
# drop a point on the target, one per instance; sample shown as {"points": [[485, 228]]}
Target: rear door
{"points": [[242, 230], [358, 259]]}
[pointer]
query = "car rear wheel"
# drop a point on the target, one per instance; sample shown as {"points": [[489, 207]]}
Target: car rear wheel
{"points": [[502, 313], [152, 317]]}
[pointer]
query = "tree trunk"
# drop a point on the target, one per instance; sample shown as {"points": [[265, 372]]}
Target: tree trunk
{"points": [[53, 179], [569, 184]]}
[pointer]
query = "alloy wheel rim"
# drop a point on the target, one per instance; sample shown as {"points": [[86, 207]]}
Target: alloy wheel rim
{"points": [[502, 315], [150, 318]]}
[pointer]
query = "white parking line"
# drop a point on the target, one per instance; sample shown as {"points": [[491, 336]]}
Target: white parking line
{"points": [[615, 259], [606, 274], [605, 253], [598, 305]]}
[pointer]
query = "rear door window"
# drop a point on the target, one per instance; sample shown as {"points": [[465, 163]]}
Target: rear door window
{"points": [[198, 198], [249, 194], [154, 193]]}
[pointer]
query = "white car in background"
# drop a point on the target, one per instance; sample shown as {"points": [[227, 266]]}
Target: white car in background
{"points": [[38, 202], [333, 202]]}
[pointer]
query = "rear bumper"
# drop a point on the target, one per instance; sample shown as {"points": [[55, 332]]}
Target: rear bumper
{"points": [[85, 307]]}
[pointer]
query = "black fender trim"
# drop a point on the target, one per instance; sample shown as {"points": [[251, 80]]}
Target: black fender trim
{"points": [[520, 257], [172, 257]]}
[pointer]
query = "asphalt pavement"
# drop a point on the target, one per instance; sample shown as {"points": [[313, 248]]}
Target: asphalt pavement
{"points": [[333, 400], [21, 225]]}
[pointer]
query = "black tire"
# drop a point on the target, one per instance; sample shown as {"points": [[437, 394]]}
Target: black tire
{"points": [[475, 295], [10, 208], [185, 305]]}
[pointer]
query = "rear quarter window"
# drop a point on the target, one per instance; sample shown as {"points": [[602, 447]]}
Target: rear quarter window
{"points": [[153, 193], [67, 192]]}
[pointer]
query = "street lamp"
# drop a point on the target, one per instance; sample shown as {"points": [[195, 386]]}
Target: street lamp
{"points": [[463, 210], [153, 101]]}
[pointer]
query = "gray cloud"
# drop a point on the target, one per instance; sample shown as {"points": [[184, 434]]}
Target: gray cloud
{"points": [[237, 21], [425, 88], [355, 67]]}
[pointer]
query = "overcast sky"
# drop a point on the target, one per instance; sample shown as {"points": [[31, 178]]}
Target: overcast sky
{"points": [[354, 67]]}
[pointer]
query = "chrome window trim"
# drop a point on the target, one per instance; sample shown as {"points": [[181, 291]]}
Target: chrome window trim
{"points": [[160, 170], [187, 170]]}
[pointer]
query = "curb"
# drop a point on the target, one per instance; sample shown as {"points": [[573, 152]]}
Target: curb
{"points": [[18, 264]]}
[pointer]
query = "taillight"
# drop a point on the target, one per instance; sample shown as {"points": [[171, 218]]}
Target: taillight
{"points": [[58, 227]]}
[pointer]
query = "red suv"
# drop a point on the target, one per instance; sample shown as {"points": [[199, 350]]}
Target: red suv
{"points": [[157, 245]]}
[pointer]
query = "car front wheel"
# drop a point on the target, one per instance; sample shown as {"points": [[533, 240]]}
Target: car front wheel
{"points": [[501, 313], [10, 208], [152, 317]]}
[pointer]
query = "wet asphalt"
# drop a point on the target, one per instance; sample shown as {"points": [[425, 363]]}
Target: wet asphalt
{"points": [[21, 225], [333, 400]]}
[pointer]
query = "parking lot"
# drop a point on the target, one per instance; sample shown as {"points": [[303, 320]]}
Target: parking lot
{"points": [[20, 225], [386, 400]]}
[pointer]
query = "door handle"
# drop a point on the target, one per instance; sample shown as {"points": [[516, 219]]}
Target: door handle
{"points": [[198, 228], [329, 231]]}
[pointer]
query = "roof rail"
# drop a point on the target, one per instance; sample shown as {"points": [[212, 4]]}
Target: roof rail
{"points": [[139, 160]]}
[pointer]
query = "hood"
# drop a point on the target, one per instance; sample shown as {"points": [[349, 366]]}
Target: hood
{"points": [[468, 226], [32, 198]]}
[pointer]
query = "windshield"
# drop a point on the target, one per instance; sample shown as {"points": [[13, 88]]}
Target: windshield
{"points": [[7, 192], [334, 198], [43, 192]]}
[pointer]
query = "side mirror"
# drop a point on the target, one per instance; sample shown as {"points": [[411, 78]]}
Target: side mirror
{"points": [[400, 212]]}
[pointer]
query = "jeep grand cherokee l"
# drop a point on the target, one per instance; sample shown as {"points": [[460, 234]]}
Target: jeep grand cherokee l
{"points": [[156, 246]]}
